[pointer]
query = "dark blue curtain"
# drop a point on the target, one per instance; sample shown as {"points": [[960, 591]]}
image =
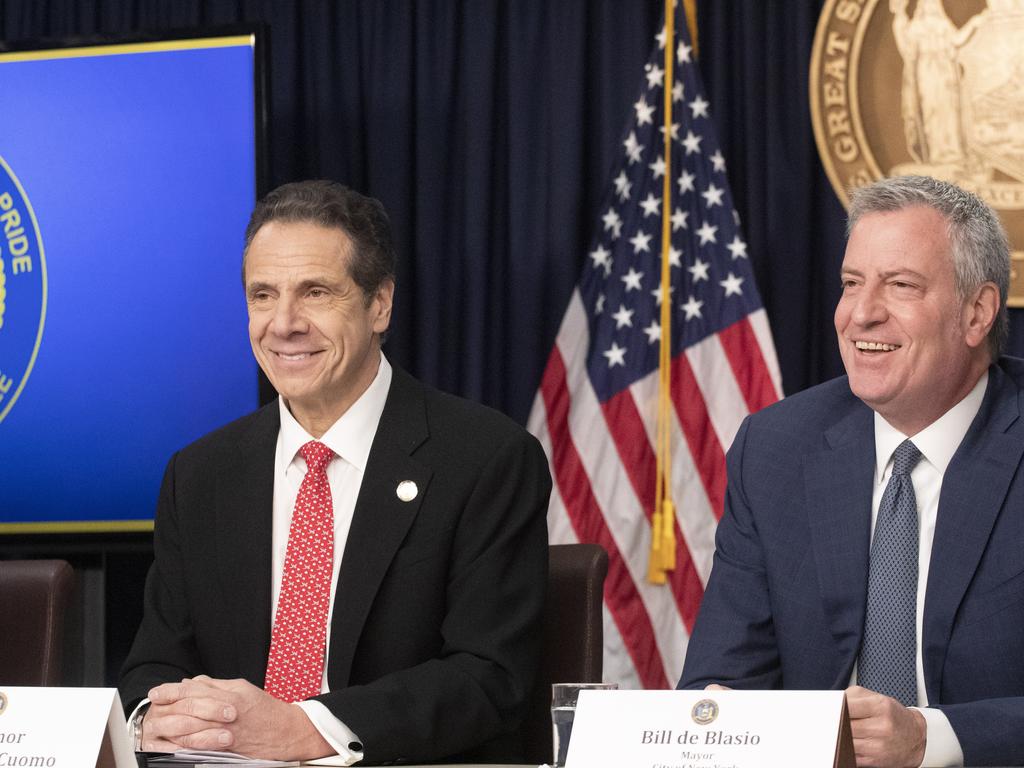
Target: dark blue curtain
{"points": [[489, 128]]}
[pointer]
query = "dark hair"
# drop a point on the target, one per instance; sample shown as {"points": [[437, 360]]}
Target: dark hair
{"points": [[978, 241], [335, 206]]}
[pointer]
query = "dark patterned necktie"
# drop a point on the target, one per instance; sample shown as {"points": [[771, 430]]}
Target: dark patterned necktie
{"points": [[888, 654], [298, 642]]}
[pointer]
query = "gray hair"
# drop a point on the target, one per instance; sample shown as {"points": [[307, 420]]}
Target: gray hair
{"points": [[981, 252], [334, 206]]}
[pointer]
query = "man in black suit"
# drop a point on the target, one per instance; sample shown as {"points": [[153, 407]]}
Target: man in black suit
{"points": [[438, 567]]}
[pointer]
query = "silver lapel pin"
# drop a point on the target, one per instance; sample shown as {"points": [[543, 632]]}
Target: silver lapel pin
{"points": [[407, 490]]}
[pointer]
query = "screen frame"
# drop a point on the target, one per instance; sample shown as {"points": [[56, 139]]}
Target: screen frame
{"points": [[95, 535]]}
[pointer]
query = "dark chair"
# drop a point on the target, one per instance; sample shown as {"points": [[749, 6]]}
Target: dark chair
{"points": [[34, 597], [573, 636]]}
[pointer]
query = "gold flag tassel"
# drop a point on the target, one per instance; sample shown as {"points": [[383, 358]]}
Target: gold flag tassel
{"points": [[663, 539]]}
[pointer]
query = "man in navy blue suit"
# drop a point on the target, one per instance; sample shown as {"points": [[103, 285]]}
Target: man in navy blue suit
{"points": [[803, 593]]}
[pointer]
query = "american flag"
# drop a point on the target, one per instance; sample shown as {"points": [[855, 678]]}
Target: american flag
{"points": [[596, 410]]}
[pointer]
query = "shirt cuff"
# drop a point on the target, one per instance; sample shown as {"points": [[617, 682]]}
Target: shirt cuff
{"points": [[942, 747], [131, 717], [336, 733]]}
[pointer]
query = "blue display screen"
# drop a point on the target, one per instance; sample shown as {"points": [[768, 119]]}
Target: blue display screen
{"points": [[127, 174]]}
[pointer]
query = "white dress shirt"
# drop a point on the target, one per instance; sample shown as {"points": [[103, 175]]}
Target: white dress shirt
{"points": [[937, 443], [350, 437]]}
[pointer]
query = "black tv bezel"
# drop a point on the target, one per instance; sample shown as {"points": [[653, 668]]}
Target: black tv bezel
{"points": [[135, 535]]}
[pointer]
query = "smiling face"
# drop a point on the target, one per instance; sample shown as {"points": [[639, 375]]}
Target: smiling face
{"points": [[311, 328], [911, 347]]}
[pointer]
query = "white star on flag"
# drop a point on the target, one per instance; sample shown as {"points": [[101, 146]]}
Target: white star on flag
{"points": [[713, 195], [699, 107], [683, 52], [737, 248], [633, 148], [616, 355], [624, 317], [675, 256], [686, 180], [601, 257], [632, 280], [692, 308], [644, 111], [657, 293], [732, 285], [707, 233], [612, 221], [622, 186], [717, 161], [679, 218], [692, 142], [657, 167], [641, 242], [653, 332], [699, 270], [655, 75], [651, 205]]}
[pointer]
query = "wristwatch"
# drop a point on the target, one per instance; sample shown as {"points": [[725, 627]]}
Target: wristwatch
{"points": [[136, 724]]}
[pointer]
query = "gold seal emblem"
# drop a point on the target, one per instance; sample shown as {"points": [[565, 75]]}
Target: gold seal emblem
{"points": [[3, 702], [925, 87], [704, 712]]}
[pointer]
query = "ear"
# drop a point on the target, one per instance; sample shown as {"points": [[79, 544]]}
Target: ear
{"points": [[980, 314], [381, 306]]}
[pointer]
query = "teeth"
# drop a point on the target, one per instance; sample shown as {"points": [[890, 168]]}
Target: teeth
{"points": [[300, 356], [875, 346]]}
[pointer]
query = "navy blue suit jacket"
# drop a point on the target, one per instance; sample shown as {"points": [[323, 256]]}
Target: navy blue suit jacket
{"points": [[784, 607]]}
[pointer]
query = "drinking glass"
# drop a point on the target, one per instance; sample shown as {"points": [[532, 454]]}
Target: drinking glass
{"points": [[563, 710]]}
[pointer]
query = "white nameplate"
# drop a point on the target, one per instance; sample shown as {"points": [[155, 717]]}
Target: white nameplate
{"points": [[710, 729], [63, 728]]}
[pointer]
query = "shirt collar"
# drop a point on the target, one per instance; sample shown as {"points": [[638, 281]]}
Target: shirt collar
{"points": [[351, 436], [938, 441]]}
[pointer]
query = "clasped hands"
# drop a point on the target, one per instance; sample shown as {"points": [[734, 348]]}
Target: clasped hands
{"points": [[886, 734], [233, 715]]}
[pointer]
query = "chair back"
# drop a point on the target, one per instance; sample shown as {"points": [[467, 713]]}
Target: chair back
{"points": [[34, 597], [573, 636]]}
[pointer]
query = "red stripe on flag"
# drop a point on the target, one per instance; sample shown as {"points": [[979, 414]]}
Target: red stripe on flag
{"points": [[705, 449], [625, 424], [748, 365], [588, 521]]}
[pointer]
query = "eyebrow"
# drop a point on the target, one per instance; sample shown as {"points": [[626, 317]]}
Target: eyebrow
{"points": [[260, 285], [887, 274], [255, 287]]}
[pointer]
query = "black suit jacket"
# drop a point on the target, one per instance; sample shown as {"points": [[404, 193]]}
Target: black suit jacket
{"points": [[785, 604], [435, 633]]}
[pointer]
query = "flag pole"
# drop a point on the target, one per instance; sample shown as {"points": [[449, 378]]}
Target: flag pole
{"points": [[663, 539]]}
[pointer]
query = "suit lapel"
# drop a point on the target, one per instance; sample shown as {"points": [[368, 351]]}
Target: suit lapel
{"points": [[838, 482], [973, 490], [381, 519], [244, 515]]}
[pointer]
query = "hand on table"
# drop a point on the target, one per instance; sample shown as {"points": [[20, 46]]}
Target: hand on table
{"points": [[206, 713], [885, 733]]}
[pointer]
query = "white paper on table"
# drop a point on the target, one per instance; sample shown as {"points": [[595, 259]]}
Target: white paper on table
{"points": [[197, 757]]}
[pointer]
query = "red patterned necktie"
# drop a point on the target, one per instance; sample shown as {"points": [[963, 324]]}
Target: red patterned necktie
{"points": [[295, 666]]}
